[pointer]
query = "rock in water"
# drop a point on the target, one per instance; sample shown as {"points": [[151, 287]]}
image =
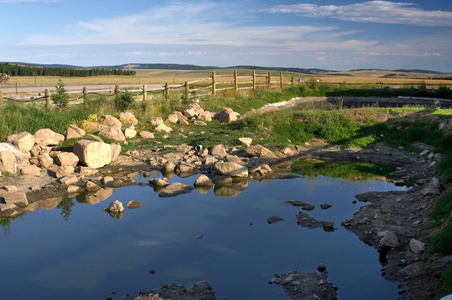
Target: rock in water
{"points": [[175, 189], [115, 207]]}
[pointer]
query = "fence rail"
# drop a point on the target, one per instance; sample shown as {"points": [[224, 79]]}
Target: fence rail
{"points": [[189, 89]]}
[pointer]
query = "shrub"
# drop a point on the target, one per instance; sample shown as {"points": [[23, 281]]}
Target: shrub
{"points": [[60, 98], [124, 101]]}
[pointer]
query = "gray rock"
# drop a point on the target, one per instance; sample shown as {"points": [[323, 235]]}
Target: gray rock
{"points": [[302, 204], [175, 189], [389, 240], [417, 246], [231, 169], [203, 180], [274, 219], [134, 204]]}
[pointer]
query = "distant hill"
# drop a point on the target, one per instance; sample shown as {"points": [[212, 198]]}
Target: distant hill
{"points": [[189, 67]]}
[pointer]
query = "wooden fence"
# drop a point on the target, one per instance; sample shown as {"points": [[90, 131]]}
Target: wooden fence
{"points": [[197, 88]]}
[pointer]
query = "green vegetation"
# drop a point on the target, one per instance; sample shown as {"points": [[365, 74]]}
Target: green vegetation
{"points": [[447, 277], [442, 209], [345, 170], [60, 98], [19, 70]]}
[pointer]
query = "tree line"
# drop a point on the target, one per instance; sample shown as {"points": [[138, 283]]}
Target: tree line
{"points": [[18, 70]]}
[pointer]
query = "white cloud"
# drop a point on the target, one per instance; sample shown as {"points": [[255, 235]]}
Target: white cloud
{"points": [[372, 12]]}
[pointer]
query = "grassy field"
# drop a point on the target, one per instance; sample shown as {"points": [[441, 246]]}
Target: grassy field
{"points": [[149, 76]]}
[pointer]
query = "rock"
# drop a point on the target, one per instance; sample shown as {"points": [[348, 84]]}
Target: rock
{"points": [[205, 116], [246, 142], [184, 167], [129, 131], [258, 151], [399, 182], [305, 220], [7, 162], [231, 169], [113, 132], [87, 171], [30, 170], [115, 151], [164, 128], [222, 179], [159, 181], [73, 189], [128, 118], [183, 122], [199, 123], [304, 205], [389, 240], [433, 188], [66, 159], [203, 180], [274, 219], [107, 179], [175, 189], [68, 180], [93, 154], [115, 207], [233, 159], [8, 209], [262, 170], [134, 204], [325, 206], [193, 110], [172, 118], [42, 160], [10, 188], [17, 198], [24, 141], [169, 167], [218, 151], [146, 134], [74, 132], [417, 246], [227, 115], [157, 121], [199, 291], [47, 137], [91, 187], [96, 197], [110, 121], [288, 151], [306, 286], [321, 268], [328, 225]]}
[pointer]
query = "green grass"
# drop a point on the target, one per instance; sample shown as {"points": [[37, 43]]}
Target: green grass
{"points": [[447, 277], [441, 242], [442, 209]]}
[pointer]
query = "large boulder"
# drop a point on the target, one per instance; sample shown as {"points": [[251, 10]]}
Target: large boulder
{"points": [[129, 131], [259, 151], [205, 116], [218, 150], [47, 137], [93, 154], [18, 198], [227, 115], [74, 132], [42, 160], [24, 141], [30, 170], [193, 110], [128, 118], [113, 132], [115, 207], [231, 169], [110, 121], [7, 162], [66, 159]]}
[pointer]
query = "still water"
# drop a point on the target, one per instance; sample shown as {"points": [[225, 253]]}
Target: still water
{"points": [[85, 253]]}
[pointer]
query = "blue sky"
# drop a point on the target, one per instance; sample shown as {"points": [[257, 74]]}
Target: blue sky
{"points": [[327, 34]]}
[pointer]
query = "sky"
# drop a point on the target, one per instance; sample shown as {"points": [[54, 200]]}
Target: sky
{"points": [[326, 34]]}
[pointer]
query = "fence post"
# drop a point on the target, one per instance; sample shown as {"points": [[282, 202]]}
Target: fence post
{"points": [[47, 96], [1, 101], [166, 90], [187, 90], [269, 80], [85, 97], [235, 81], [117, 90], [281, 78], [213, 83], [254, 80], [144, 92], [291, 81]]}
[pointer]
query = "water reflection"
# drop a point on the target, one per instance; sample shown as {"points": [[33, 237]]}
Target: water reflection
{"points": [[71, 239]]}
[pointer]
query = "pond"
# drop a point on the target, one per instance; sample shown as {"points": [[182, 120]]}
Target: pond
{"points": [[78, 251]]}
